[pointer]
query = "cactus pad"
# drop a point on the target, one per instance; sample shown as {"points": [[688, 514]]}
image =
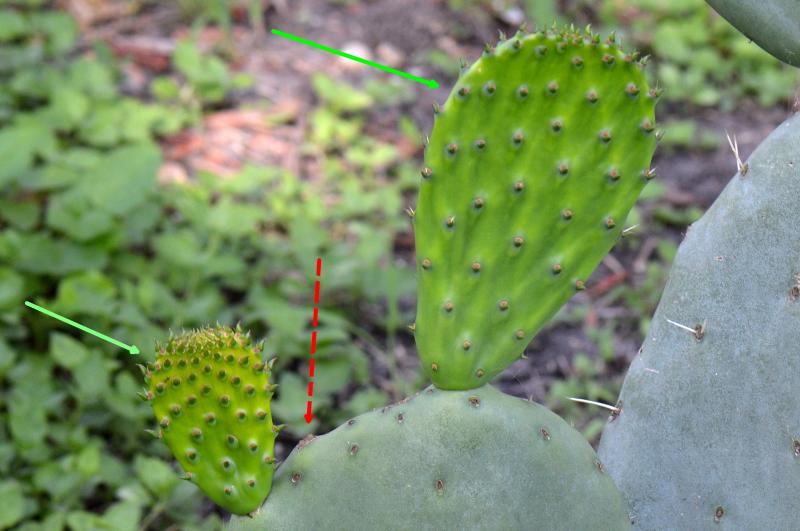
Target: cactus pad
{"points": [[709, 432], [772, 24], [210, 393], [474, 459], [533, 164]]}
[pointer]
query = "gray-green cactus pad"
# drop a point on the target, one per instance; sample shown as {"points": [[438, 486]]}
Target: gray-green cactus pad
{"points": [[772, 24], [475, 459], [709, 432]]}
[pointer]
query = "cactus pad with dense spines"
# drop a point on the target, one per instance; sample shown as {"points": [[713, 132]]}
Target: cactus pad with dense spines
{"points": [[475, 460], [533, 164], [211, 394], [709, 432]]}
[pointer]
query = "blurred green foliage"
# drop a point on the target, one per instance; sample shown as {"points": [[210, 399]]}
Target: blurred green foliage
{"points": [[698, 56], [203, 81], [87, 231]]}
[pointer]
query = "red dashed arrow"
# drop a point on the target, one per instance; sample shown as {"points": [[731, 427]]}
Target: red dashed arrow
{"points": [[309, 416]]}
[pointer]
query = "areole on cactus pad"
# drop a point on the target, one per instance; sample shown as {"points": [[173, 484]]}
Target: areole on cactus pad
{"points": [[533, 164], [210, 393]]}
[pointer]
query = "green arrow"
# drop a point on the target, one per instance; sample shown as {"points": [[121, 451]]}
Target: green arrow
{"points": [[130, 348], [429, 82]]}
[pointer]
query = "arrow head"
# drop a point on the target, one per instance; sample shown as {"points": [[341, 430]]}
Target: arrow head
{"points": [[309, 417], [432, 83], [133, 350]]}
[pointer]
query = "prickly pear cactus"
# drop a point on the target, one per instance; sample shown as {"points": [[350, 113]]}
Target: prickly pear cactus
{"points": [[475, 459], [709, 432], [533, 164], [772, 24], [210, 393]]}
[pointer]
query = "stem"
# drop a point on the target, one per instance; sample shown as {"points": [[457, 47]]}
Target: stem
{"points": [[151, 517]]}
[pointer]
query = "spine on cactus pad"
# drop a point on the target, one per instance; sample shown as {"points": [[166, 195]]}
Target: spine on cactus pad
{"points": [[533, 164], [210, 393]]}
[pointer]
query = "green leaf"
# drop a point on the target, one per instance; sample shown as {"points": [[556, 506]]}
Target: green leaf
{"points": [[102, 126], [12, 286], [122, 399], [290, 405], [66, 351], [68, 107], [361, 402], [86, 521], [114, 472], [88, 293], [340, 96], [164, 88], [12, 25], [180, 248], [53, 522], [188, 60], [124, 179], [87, 462], [6, 456], [234, 219], [123, 516], [332, 375], [27, 419], [93, 78], [21, 214], [39, 253], [12, 508], [59, 29], [93, 376], [306, 238], [18, 145], [73, 214], [57, 479], [7, 357], [156, 475], [155, 298], [139, 120]]}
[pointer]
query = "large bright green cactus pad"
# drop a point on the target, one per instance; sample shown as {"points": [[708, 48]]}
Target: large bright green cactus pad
{"points": [[533, 164], [211, 394], [709, 433], [474, 460]]}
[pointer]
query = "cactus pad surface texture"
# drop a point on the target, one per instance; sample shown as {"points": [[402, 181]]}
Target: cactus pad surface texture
{"points": [[475, 459], [533, 164], [772, 24], [210, 393], [709, 432]]}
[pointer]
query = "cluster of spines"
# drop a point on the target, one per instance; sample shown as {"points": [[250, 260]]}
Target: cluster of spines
{"points": [[563, 37]]}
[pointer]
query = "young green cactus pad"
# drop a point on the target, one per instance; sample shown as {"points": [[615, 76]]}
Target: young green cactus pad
{"points": [[709, 432], [772, 24], [475, 459], [533, 164], [211, 394]]}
